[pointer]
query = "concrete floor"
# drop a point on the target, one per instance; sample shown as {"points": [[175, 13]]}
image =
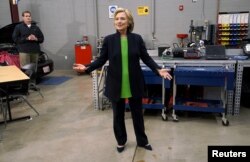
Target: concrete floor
{"points": [[70, 130]]}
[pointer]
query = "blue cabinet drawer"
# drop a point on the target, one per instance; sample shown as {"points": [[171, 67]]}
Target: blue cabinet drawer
{"points": [[206, 76], [151, 78]]}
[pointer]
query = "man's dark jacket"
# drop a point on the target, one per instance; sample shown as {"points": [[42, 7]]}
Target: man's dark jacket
{"points": [[111, 51], [20, 34]]}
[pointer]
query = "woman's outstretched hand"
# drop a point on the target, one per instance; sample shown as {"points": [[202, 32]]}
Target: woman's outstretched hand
{"points": [[165, 73], [79, 68]]}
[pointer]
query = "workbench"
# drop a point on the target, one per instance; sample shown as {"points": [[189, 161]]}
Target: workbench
{"points": [[172, 63]]}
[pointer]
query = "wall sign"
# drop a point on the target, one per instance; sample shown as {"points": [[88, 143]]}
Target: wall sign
{"points": [[112, 9], [143, 10]]}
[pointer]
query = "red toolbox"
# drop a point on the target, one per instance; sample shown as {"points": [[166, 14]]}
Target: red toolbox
{"points": [[83, 54]]}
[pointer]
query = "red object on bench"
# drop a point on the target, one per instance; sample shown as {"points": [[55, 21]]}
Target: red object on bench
{"points": [[182, 36]]}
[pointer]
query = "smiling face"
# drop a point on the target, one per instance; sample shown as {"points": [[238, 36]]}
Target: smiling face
{"points": [[121, 22]]}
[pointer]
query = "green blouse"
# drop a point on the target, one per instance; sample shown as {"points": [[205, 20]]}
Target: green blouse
{"points": [[125, 87]]}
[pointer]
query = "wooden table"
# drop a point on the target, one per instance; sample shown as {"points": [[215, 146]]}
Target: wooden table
{"points": [[12, 75]]}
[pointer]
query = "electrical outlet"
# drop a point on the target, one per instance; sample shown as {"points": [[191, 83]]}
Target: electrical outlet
{"points": [[66, 57]]}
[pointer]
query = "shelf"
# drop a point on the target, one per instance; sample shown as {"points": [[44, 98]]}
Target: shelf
{"points": [[198, 109], [150, 106], [153, 106], [233, 29], [237, 36], [215, 106], [232, 24]]}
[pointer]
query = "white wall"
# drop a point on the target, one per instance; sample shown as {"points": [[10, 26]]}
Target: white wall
{"points": [[63, 22], [5, 16]]}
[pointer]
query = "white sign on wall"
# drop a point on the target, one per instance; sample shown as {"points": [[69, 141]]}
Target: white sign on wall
{"points": [[112, 9]]}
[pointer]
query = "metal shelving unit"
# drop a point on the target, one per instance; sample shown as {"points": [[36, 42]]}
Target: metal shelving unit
{"points": [[95, 89], [241, 64], [232, 28]]}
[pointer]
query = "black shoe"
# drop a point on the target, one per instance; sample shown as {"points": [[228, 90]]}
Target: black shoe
{"points": [[147, 147], [120, 149]]}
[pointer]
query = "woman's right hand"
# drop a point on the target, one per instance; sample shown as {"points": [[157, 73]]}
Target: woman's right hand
{"points": [[79, 68]]}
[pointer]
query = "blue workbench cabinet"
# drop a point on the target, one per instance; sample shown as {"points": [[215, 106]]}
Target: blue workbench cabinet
{"points": [[153, 79], [214, 76]]}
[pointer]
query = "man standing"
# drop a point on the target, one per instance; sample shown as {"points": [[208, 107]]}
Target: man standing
{"points": [[27, 36]]}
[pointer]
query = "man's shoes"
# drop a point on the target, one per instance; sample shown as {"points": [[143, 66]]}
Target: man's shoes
{"points": [[147, 147], [120, 148]]}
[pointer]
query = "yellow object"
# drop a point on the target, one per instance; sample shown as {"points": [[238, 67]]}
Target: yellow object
{"points": [[143, 10]]}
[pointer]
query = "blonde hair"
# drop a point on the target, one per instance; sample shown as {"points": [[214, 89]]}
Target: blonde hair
{"points": [[129, 15]]}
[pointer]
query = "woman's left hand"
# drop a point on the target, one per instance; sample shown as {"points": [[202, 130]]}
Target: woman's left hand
{"points": [[165, 73]]}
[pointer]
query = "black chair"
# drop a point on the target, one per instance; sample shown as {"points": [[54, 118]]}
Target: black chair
{"points": [[20, 91], [3, 106], [14, 92], [30, 70]]}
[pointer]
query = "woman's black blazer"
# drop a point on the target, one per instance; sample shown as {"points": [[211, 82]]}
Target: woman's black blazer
{"points": [[111, 51]]}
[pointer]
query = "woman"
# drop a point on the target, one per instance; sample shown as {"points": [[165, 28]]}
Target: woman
{"points": [[124, 50]]}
